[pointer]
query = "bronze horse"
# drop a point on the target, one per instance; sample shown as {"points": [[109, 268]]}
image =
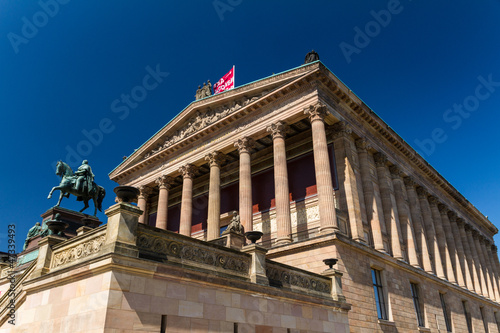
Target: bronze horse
{"points": [[67, 187]]}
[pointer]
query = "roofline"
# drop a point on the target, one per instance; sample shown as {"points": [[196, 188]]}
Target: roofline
{"points": [[208, 97]]}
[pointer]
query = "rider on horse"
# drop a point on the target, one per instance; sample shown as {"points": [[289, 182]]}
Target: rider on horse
{"points": [[85, 175]]}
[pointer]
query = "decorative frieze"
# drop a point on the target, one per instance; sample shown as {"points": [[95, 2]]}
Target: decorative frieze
{"points": [[79, 251]]}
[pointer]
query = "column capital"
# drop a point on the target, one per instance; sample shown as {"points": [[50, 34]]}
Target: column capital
{"points": [[395, 171], [380, 159], [340, 129], [443, 209], [475, 233], [316, 111], [244, 144], [278, 129], [468, 227], [409, 181], [494, 248], [164, 182], [460, 222], [188, 170], [421, 192], [144, 191], [215, 158], [433, 200], [363, 144], [452, 216]]}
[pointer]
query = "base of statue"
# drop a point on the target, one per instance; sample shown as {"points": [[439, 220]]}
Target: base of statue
{"points": [[231, 239], [75, 220]]}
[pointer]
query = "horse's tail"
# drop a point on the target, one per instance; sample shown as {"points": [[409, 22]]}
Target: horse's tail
{"points": [[100, 197]]}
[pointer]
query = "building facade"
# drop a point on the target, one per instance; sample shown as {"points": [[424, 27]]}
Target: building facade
{"points": [[305, 161], [302, 159]]}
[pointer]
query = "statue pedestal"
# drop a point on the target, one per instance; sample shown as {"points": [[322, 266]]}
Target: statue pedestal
{"points": [[230, 239], [74, 219]]}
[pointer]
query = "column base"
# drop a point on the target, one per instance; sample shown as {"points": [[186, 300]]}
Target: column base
{"points": [[283, 240], [328, 230]]}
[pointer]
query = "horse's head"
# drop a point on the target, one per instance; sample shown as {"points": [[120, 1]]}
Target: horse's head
{"points": [[62, 169]]}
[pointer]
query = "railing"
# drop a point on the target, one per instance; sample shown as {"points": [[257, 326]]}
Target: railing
{"points": [[160, 245]]}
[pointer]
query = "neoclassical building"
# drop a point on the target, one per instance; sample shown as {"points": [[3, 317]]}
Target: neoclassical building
{"points": [[305, 161], [302, 159]]}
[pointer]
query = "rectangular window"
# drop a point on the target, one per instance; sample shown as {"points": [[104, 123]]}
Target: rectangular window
{"points": [[485, 322], [445, 313], [416, 304], [379, 294], [467, 317]]}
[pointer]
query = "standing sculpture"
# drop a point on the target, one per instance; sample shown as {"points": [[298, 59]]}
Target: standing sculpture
{"points": [[311, 57], [81, 184]]}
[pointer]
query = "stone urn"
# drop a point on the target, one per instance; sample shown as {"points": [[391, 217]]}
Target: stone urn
{"points": [[253, 236], [330, 262], [56, 225], [126, 193]]}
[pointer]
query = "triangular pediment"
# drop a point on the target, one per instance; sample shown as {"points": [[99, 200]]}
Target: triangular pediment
{"points": [[202, 114]]}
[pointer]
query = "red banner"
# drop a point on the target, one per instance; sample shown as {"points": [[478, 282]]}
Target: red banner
{"points": [[225, 83]]}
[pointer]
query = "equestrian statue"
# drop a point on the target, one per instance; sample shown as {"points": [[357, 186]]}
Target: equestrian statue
{"points": [[81, 184]]}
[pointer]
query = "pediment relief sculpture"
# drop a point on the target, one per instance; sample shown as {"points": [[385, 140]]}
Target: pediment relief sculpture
{"points": [[199, 121]]}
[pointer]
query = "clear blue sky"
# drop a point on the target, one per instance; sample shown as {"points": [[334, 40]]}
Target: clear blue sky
{"points": [[62, 68]]}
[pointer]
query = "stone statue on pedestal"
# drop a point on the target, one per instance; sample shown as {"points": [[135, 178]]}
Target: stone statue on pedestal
{"points": [[235, 225]]}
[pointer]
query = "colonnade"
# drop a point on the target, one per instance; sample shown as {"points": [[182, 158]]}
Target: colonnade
{"points": [[403, 219]]}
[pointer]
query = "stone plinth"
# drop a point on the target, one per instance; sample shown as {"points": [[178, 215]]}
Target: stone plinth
{"points": [[232, 240], [336, 276], [258, 263], [121, 232]]}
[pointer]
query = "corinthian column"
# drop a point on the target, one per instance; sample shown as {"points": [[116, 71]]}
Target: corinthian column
{"points": [[404, 215], [164, 184], [282, 193], [443, 246], [482, 269], [351, 193], [389, 205], [326, 201], [455, 228], [418, 224], [469, 254], [373, 203], [455, 260], [187, 173], [142, 203], [246, 217], [431, 232], [213, 222], [471, 236], [486, 268]]}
